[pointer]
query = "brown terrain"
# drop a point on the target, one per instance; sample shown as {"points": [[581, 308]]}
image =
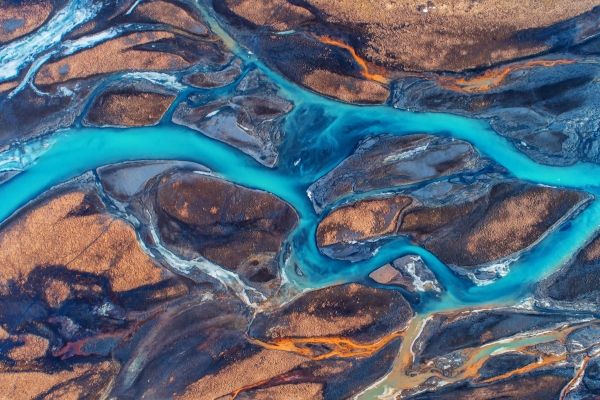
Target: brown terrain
{"points": [[170, 14], [115, 55], [226, 223], [201, 216], [404, 272], [208, 80], [279, 15], [264, 365], [72, 230], [346, 88], [591, 252], [128, 108], [328, 343], [301, 391], [84, 380], [5, 86], [352, 311], [362, 220], [62, 256], [87, 312], [178, 40], [509, 219], [352, 50], [448, 34], [576, 285], [547, 385], [421, 35], [137, 51], [314, 344], [20, 18]]}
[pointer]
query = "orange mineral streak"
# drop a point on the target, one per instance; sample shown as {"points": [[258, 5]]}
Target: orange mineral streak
{"points": [[340, 347], [493, 78], [542, 362], [472, 367], [405, 375], [358, 59]]}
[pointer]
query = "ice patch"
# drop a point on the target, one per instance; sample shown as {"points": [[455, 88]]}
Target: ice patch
{"points": [[20, 156], [159, 78], [104, 309], [489, 274], [420, 284], [405, 154], [212, 113]]}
